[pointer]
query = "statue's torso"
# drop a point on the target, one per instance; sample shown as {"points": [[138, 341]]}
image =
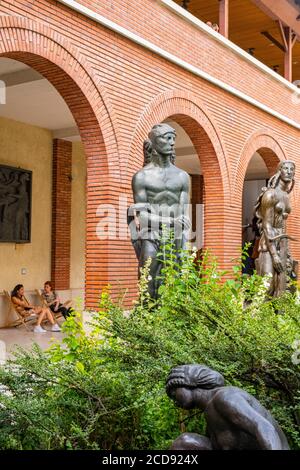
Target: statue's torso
{"points": [[223, 433], [279, 208], [163, 187]]}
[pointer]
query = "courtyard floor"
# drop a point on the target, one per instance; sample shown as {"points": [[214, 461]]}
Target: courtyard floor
{"points": [[10, 338]]}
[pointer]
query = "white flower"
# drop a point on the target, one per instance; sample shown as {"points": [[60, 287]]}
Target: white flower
{"points": [[266, 280], [296, 344], [296, 358], [149, 278], [4, 390]]}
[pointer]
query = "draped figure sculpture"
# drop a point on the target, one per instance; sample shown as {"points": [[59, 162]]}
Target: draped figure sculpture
{"points": [[272, 209], [235, 419], [161, 197]]}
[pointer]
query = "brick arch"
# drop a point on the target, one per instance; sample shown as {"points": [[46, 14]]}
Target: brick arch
{"points": [[188, 112], [36, 45], [51, 54], [269, 148], [271, 151], [175, 103]]}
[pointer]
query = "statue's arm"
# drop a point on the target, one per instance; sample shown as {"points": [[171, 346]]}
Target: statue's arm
{"points": [[267, 212], [184, 201], [140, 199], [139, 189], [237, 411], [184, 196]]}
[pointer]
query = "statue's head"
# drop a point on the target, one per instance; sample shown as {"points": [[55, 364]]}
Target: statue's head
{"points": [[287, 170], [286, 173], [162, 137], [184, 380]]}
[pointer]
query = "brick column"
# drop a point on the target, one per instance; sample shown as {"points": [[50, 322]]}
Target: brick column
{"points": [[197, 196], [61, 213]]}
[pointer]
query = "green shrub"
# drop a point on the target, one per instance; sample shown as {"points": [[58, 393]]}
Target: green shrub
{"points": [[105, 389]]}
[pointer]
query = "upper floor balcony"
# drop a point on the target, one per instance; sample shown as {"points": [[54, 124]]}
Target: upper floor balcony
{"points": [[266, 29], [255, 55]]}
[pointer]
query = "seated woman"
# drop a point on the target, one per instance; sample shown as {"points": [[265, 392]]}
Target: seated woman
{"points": [[53, 301], [25, 309]]}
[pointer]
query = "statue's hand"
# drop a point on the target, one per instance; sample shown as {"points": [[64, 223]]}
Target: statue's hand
{"points": [[183, 221], [137, 223], [277, 264]]}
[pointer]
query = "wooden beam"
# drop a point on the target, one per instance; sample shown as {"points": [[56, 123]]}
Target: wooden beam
{"points": [[273, 40], [295, 37], [283, 37], [289, 37], [224, 17], [288, 55]]}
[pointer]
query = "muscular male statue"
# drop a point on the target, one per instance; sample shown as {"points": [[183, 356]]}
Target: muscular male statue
{"points": [[161, 196], [235, 419], [272, 209]]}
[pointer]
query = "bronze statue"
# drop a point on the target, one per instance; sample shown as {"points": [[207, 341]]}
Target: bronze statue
{"points": [[161, 197], [235, 419], [272, 209]]}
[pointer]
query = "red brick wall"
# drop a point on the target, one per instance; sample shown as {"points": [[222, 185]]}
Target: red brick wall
{"points": [[117, 90], [61, 213]]}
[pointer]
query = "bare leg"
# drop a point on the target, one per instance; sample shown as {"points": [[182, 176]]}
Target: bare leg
{"points": [[49, 316], [41, 316]]}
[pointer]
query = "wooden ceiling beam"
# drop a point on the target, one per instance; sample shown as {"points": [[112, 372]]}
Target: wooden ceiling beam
{"points": [[295, 37], [288, 55], [273, 40], [283, 35]]}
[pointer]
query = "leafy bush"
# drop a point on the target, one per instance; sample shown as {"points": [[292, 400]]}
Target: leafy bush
{"points": [[105, 389]]}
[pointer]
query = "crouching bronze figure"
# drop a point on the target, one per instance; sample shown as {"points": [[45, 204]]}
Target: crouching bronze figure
{"points": [[235, 419]]}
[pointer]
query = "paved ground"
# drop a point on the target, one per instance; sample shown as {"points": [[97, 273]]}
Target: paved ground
{"points": [[10, 337]]}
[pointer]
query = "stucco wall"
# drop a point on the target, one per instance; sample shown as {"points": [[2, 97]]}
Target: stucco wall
{"points": [[78, 217], [30, 148]]}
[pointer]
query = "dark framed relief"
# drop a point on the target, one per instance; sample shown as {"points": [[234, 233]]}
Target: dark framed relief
{"points": [[15, 204]]}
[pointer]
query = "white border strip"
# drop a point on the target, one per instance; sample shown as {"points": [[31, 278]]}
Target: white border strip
{"points": [[181, 63]]}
